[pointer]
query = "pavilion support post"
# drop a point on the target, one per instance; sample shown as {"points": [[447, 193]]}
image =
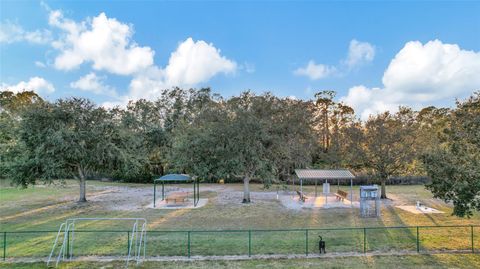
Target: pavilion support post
{"points": [[351, 192], [293, 184], [154, 192], [301, 185], [196, 192], [163, 190], [326, 201], [315, 188]]}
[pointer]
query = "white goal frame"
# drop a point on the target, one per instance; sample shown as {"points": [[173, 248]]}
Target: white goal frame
{"points": [[138, 239]]}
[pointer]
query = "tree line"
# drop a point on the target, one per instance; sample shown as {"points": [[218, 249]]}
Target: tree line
{"points": [[250, 136]]}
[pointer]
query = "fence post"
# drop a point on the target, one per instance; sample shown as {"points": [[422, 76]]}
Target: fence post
{"points": [[306, 242], [473, 247], [68, 244], [188, 246], [4, 245], [249, 243], [128, 241], [418, 240], [364, 240]]}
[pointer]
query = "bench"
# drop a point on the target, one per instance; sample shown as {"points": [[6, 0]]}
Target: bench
{"points": [[341, 195], [302, 196], [176, 197]]}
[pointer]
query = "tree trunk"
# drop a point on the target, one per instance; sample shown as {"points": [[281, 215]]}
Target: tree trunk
{"points": [[161, 170], [81, 178], [327, 132], [384, 190], [246, 190]]}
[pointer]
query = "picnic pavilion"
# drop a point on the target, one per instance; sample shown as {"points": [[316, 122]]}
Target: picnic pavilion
{"points": [[177, 178], [325, 175]]}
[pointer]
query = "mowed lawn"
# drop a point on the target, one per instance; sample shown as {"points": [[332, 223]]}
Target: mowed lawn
{"points": [[43, 208]]}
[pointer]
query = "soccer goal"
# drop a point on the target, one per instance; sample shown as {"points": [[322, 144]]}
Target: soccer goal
{"points": [[64, 241]]}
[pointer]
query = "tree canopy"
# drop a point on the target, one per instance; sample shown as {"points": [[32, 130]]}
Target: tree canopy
{"points": [[70, 138], [247, 137], [455, 165]]}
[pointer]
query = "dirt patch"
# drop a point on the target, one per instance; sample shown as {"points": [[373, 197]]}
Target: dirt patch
{"points": [[229, 197], [119, 198], [312, 202], [135, 198], [188, 204]]}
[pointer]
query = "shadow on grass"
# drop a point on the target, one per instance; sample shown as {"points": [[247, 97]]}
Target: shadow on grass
{"points": [[391, 239]]}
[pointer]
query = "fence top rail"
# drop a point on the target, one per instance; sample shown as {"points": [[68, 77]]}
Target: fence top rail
{"points": [[260, 230]]}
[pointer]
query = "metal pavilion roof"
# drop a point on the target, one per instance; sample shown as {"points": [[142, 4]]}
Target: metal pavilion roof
{"points": [[324, 174], [174, 177]]}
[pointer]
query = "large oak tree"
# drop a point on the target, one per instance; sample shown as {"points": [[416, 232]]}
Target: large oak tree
{"points": [[388, 144], [454, 166], [70, 138]]}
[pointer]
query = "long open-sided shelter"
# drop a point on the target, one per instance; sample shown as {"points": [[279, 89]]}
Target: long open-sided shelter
{"points": [[325, 174], [175, 178]]}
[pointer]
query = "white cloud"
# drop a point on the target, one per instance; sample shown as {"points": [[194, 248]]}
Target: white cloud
{"points": [[40, 64], [12, 32], [359, 53], [148, 84], [196, 62], [369, 101], [419, 75], [121, 102], [193, 62], [103, 41], [248, 67], [36, 84], [93, 83], [106, 43], [315, 71]]}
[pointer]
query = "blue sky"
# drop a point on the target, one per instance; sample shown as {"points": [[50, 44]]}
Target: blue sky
{"points": [[376, 55]]}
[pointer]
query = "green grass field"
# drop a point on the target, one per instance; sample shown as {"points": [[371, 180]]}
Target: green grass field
{"points": [[436, 261], [43, 208]]}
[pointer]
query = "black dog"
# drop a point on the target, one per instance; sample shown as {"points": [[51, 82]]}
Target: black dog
{"points": [[321, 245]]}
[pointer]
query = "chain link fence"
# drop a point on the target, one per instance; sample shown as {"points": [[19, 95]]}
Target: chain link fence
{"points": [[424, 239]]}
